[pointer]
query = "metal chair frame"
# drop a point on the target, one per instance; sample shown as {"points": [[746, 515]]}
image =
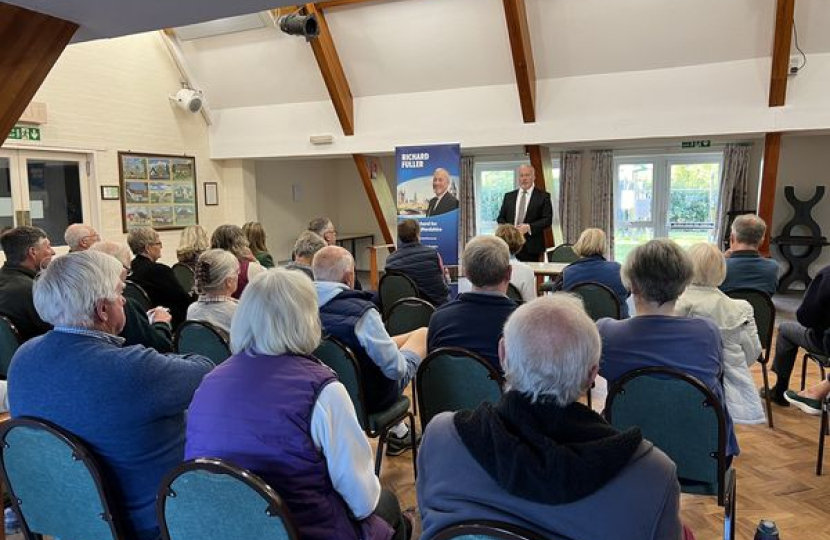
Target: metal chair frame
{"points": [[824, 429], [4, 369]]}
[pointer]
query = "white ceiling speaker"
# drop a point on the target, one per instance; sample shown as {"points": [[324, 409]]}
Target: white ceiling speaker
{"points": [[189, 100]]}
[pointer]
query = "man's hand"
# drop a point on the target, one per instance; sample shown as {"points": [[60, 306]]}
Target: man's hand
{"points": [[160, 314], [524, 228]]}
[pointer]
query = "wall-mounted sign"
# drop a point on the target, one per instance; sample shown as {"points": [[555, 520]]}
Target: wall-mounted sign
{"points": [[696, 144], [25, 133]]}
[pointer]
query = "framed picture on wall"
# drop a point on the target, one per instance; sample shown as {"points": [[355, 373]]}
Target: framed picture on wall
{"points": [[110, 193], [157, 190], [211, 194]]}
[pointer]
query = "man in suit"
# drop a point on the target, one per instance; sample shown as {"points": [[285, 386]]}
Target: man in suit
{"points": [[444, 201], [530, 210]]}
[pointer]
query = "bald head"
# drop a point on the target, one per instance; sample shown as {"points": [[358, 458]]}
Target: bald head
{"points": [[335, 264], [119, 251], [80, 237]]}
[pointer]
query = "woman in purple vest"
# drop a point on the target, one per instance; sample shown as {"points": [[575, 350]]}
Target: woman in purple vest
{"points": [[275, 410]]}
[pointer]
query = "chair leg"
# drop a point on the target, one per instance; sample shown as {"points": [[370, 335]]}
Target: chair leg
{"points": [[821, 435], [414, 440], [804, 372], [766, 392], [379, 454], [414, 398]]}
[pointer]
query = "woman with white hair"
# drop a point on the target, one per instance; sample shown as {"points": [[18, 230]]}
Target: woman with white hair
{"points": [[657, 273], [276, 410], [232, 239], [126, 403], [592, 249], [217, 273], [736, 321]]}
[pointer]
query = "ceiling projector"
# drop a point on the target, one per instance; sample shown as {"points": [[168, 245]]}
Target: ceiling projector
{"points": [[189, 100]]}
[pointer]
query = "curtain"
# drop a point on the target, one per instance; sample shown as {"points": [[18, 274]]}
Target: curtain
{"points": [[569, 196], [733, 186], [602, 194], [467, 198]]}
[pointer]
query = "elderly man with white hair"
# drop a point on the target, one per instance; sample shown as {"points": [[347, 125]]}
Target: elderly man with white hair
{"points": [[745, 267], [80, 237], [126, 403], [540, 460], [387, 363]]}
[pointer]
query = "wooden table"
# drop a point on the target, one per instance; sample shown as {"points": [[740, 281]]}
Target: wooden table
{"points": [[542, 270]]}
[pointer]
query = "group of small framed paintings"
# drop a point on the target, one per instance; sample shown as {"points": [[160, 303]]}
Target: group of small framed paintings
{"points": [[157, 191]]}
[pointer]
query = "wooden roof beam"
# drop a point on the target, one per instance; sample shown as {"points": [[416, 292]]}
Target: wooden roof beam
{"points": [[784, 14], [519, 33], [332, 71]]}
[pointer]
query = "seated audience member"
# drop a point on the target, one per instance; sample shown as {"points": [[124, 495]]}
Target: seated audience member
{"points": [[157, 279], [307, 244], [138, 328], [27, 251], [521, 275], [387, 363], [809, 400], [80, 237], [256, 240], [324, 228], [592, 249], [811, 332], [126, 403], [656, 273], [275, 410], [474, 321], [736, 321], [745, 268], [422, 264], [232, 239], [540, 460], [192, 243], [216, 279]]}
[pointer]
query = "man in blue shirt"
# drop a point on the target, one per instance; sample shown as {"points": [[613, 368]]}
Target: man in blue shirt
{"points": [[745, 268]]}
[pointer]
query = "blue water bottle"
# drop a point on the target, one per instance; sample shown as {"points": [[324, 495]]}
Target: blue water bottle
{"points": [[767, 530], [10, 522]]}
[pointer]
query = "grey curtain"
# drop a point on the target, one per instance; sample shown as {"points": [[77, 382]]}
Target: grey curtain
{"points": [[602, 194], [569, 196], [734, 185], [467, 198]]}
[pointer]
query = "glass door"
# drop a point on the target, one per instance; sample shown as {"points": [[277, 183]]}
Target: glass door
{"points": [[634, 196], [694, 187]]}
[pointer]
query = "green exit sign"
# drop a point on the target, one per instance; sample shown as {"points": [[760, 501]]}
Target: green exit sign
{"points": [[696, 144], [25, 133]]}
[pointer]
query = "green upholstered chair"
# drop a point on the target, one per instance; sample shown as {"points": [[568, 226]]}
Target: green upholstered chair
{"points": [[408, 314], [185, 276], [342, 360], [682, 417], [9, 342], [394, 286], [136, 292], [451, 379], [486, 530], [514, 293], [764, 311], [201, 337], [563, 253], [211, 499], [55, 483], [599, 300]]}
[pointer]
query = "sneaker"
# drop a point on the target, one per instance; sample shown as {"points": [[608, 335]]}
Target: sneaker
{"points": [[808, 405], [774, 397], [396, 446]]}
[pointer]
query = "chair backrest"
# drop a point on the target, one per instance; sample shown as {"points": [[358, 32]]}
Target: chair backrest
{"points": [[451, 379], [342, 360], [408, 314], [514, 293], [563, 253], [211, 499], [136, 292], [201, 337], [184, 275], [680, 415], [486, 530], [9, 342], [600, 301], [393, 287], [764, 311], [55, 483]]}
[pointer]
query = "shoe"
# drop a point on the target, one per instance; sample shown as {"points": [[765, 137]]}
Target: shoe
{"points": [[775, 397], [396, 446], [808, 405]]}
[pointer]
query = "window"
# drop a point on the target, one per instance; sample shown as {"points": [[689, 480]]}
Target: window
{"points": [[665, 196], [495, 178]]}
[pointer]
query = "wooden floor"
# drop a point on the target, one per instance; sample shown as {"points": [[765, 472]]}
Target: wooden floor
{"points": [[776, 475]]}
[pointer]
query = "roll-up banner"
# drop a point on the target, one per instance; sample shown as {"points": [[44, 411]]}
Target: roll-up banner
{"points": [[428, 180]]}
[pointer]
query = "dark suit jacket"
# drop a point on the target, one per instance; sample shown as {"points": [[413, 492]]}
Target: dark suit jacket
{"points": [[17, 302], [539, 215], [162, 287], [448, 203]]}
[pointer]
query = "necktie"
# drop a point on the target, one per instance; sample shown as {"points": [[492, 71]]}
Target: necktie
{"points": [[520, 215]]}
